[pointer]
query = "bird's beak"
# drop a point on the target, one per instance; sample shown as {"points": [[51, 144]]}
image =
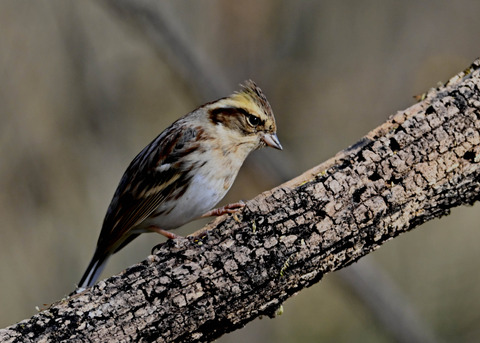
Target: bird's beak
{"points": [[271, 140]]}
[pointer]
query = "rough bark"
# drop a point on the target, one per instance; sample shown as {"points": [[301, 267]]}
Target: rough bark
{"points": [[415, 167]]}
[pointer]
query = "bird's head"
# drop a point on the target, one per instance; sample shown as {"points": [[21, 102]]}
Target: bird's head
{"points": [[245, 117]]}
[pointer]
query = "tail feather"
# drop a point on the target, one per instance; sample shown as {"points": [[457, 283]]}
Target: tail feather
{"points": [[93, 271]]}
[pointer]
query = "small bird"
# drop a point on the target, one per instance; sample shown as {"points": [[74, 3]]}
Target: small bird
{"points": [[185, 172]]}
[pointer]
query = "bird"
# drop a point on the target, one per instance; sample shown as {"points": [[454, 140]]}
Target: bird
{"points": [[184, 172]]}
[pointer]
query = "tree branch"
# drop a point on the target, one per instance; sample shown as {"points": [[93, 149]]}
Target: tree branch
{"points": [[415, 167]]}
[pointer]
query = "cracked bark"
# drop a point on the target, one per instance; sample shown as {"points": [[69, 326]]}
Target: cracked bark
{"points": [[415, 167]]}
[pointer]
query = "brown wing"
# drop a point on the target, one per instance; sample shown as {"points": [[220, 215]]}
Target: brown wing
{"points": [[154, 174]]}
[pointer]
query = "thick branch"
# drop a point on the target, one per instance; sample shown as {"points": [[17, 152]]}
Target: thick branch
{"points": [[413, 168]]}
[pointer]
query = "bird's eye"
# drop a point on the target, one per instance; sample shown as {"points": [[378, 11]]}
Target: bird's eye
{"points": [[253, 120]]}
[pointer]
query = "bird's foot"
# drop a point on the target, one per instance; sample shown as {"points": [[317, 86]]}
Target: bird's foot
{"points": [[164, 233], [230, 208]]}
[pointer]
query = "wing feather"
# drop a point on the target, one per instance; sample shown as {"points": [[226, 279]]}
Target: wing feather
{"points": [[154, 174]]}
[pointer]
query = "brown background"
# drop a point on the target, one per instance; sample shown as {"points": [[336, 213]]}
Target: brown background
{"points": [[83, 89]]}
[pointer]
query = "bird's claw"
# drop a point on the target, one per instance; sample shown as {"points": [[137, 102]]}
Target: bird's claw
{"points": [[230, 209]]}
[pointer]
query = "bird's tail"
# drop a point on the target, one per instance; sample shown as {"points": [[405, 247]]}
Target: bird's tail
{"points": [[93, 271]]}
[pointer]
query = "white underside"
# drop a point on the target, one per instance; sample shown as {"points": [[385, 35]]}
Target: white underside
{"points": [[201, 196], [207, 188]]}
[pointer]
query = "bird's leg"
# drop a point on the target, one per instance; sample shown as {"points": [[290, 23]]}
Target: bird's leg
{"points": [[165, 233], [230, 208]]}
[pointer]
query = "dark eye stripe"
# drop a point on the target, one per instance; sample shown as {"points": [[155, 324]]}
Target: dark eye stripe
{"points": [[228, 116], [217, 112]]}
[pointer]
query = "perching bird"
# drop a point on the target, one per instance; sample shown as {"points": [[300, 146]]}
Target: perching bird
{"points": [[185, 171]]}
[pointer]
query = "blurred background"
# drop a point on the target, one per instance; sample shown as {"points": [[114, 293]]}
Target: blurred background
{"points": [[85, 85]]}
